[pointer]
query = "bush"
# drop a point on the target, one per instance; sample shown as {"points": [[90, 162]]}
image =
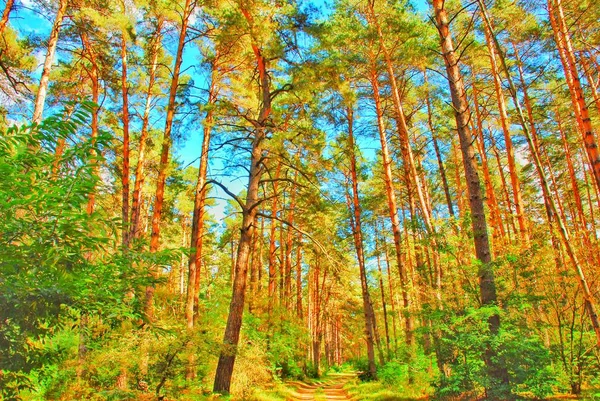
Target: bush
{"points": [[465, 339]]}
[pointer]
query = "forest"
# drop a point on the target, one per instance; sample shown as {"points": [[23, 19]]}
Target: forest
{"points": [[299, 200]]}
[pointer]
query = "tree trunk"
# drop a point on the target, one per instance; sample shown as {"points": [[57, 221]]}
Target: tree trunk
{"points": [[392, 204], [197, 234], [510, 217], [510, 153], [587, 295], [231, 338], [139, 170], [383, 301], [94, 77], [125, 119], [536, 148], [499, 387], [40, 97], [583, 59], [299, 311], [565, 49], [4, 21], [496, 220], [289, 242], [356, 225], [166, 147], [272, 247], [438, 153], [392, 294]]}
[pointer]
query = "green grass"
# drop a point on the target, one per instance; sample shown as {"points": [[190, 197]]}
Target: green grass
{"points": [[377, 391]]}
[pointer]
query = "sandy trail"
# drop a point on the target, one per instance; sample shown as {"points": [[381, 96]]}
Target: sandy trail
{"points": [[331, 389]]}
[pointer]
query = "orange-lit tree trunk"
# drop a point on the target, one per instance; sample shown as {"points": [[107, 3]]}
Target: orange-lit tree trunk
{"points": [[356, 225], [136, 204], [498, 389], [93, 74], [587, 295], [510, 153], [580, 108], [383, 300], [587, 68], [272, 269], [392, 204], [40, 97], [231, 337], [413, 179], [536, 148], [255, 266], [436, 147], [496, 220], [289, 243], [197, 234], [510, 217], [407, 153], [571, 171], [4, 21], [159, 197], [125, 120], [393, 299], [299, 311]]}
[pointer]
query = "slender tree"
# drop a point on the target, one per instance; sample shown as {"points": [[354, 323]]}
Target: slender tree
{"points": [[499, 387]]}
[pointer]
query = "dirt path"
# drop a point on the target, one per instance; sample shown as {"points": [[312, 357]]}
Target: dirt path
{"points": [[332, 388]]}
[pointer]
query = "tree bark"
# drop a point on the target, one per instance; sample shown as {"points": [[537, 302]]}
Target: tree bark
{"points": [[587, 295], [356, 225], [139, 170], [392, 204], [496, 220], [383, 300], [93, 74], [510, 153], [438, 153], [188, 9], [125, 120], [299, 311], [536, 148], [40, 97], [231, 338], [567, 56], [499, 387], [272, 270], [197, 234], [4, 21], [289, 243]]}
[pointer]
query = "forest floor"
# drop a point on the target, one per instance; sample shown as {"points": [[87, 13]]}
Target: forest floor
{"points": [[331, 388]]}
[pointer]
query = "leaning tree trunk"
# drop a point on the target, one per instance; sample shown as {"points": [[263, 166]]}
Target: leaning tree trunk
{"points": [[496, 219], [4, 21], [587, 294], [392, 205], [499, 387], [436, 147], [40, 97], [510, 152], [567, 56]]}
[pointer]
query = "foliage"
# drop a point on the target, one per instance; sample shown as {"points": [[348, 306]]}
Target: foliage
{"points": [[49, 274], [464, 342]]}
